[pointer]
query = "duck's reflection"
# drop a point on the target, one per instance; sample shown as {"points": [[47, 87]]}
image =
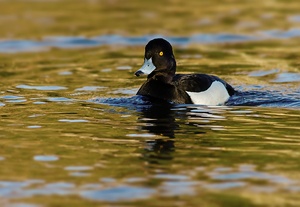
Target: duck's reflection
{"points": [[159, 120], [168, 121]]}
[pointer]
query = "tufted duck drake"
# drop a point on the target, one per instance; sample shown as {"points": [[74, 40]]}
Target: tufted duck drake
{"points": [[163, 84]]}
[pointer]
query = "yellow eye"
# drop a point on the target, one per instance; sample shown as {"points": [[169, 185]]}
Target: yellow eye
{"points": [[161, 53]]}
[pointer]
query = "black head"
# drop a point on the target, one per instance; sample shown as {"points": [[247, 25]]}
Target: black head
{"points": [[158, 57]]}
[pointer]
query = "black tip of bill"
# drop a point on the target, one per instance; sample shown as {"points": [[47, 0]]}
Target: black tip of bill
{"points": [[138, 73]]}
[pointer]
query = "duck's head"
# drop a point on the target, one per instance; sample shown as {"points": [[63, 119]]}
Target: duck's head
{"points": [[159, 57]]}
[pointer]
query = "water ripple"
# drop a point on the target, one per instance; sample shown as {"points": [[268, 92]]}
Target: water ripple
{"points": [[45, 158], [263, 73], [118, 193], [14, 46], [111, 190], [241, 98], [90, 88], [73, 120], [41, 88], [287, 78]]}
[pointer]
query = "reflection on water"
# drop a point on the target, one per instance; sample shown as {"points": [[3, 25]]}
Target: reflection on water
{"points": [[159, 119], [164, 151], [14, 46], [42, 88], [45, 158], [129, 149], [73, 132], [287, 78], [183, 183]]}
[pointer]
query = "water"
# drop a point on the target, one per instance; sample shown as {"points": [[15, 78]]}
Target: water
{"points": [[73, 132], [13, 46]]}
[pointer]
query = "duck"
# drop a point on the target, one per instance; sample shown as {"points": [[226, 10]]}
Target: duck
{"points": [[164, 84]]}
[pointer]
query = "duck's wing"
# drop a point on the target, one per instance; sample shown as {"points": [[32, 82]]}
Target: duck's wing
{"points": [[199, 82]]}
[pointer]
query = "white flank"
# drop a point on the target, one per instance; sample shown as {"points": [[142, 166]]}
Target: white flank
{"points": [[216, 94]]}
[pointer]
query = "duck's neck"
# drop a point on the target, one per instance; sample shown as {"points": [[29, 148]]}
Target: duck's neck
{"points": [[164, 74]]}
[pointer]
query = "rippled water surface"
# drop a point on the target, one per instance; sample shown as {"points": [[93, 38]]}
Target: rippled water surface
{"points": [[73, 132]]}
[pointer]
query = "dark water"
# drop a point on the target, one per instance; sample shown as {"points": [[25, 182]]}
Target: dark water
{"points": [[73, 132]]}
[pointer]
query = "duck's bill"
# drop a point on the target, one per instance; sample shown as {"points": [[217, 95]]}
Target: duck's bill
{"points": [[146, 68]]}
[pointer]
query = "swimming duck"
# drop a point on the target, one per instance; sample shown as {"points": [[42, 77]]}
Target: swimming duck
{"points": [[162, 83]]}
